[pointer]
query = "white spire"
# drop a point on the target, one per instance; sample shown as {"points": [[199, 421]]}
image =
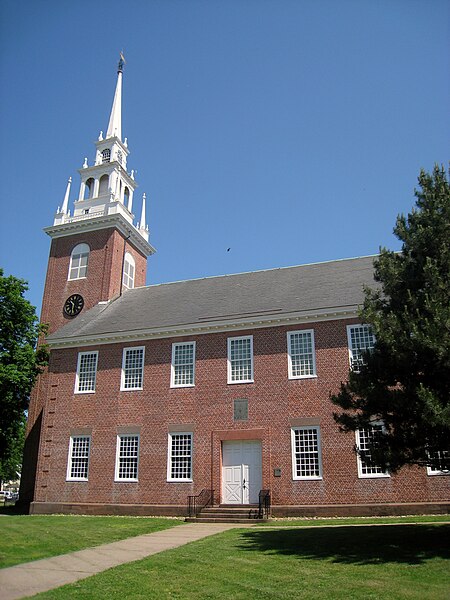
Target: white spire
{"points": [[115, 120], [142, 223], [65, 205]]}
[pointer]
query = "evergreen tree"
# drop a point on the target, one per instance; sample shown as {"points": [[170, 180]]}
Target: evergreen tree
{"points": [[405, 381], [20, 363]]}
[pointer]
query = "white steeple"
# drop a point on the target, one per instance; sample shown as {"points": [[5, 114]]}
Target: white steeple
{"points": [[106, 191], [115, 119]]}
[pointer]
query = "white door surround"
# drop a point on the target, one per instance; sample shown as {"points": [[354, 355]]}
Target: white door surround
{"points": [[241, 471]]}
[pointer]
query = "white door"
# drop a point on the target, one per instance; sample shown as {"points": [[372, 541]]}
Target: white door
{"points": [[241, 472]]}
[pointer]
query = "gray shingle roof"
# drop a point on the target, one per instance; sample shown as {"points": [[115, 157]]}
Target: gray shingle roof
{"points": [[275, 293]]}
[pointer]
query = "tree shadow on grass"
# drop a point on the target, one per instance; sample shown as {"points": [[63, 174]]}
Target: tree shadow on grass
{"points": [[408, 544], [13, 509]]}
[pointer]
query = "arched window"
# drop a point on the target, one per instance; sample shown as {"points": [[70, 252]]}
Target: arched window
{"points": [[89, 189], [128, 271], [79, 261], [126, 197], [104, 185], [106, 155]]}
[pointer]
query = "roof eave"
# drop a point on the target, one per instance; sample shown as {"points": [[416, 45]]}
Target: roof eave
{"points": [[216, 326]]}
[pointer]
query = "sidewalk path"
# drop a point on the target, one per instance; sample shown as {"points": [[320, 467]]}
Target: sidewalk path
{"points": [[37, 576]]}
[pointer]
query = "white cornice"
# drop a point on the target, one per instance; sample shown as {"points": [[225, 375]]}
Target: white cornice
{"points": [[102, 222], [208, 327]]}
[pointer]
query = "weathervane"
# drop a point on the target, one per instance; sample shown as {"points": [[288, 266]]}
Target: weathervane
{"points": [[122, 62]]}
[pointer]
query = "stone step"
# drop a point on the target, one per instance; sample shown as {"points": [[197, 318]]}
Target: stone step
{"points": [[227, 519], [231, 513], [224, 517]]}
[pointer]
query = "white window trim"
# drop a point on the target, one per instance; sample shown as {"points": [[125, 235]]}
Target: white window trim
{"points": [[362, 475], [349, 340], [77, 376], [69, 459], [116, 470], [435, 472], [229, 366], [296, 477], [172, 369], [289, 336], [122, 376], [171, 479], [88, 252]]}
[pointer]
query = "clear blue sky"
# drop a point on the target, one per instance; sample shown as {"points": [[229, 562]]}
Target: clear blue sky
{"points": [[290, 131]]}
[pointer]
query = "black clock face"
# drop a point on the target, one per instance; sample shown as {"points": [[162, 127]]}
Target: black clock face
{"points": [[73, 305]]}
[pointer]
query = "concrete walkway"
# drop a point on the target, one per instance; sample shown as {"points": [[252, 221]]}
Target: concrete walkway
{"points": [[42, 575]]}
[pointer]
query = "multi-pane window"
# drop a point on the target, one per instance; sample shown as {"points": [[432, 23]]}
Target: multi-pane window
{"points": [[78, 462], [360, 340], [106, 155], [183, 364], [301, 354], [364, 439], [436, 467], [240, 359], [79, 261], [306, 453], [179, 466], [132, 368], [128, 271], [86, 372], [127, 457]]}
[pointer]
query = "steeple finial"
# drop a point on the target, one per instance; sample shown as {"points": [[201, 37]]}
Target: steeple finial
{"points": [[65, 205], [115, 120], [122, 62], [142, 223]]}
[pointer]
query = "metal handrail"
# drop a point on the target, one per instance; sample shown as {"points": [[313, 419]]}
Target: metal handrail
{"points": [[196, 503], [264, 504]]}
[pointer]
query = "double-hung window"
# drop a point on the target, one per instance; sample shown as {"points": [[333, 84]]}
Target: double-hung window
{"points": [[183, 365], [127, 457], [86, 372], [179, 463], [240, 359], [306, 453], [79, 262], [436, 463], [78, 461], [364, 439], [301, 354], [129, 268], [360, 340], [132, 368]]}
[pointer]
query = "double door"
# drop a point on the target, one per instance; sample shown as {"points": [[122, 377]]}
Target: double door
{"points": [[241, 471]]}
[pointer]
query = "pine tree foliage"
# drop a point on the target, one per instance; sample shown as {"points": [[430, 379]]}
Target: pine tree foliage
{"points": [[20, 363], [405, 381]]}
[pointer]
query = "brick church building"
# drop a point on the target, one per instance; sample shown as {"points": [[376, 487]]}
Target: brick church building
{"points": [[154, 393]]}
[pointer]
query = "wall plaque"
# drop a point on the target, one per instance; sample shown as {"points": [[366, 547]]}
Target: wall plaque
{"points": [[240, 409]]}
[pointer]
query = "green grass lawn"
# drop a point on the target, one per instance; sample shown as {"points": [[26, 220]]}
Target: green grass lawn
{"points": [[336, 563], [24, 537]]}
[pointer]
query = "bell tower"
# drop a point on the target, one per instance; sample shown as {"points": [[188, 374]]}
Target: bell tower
{"points": [[97, 252]]}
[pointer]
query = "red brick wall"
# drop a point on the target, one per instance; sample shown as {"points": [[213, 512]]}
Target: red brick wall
{"points": [[103, 278], [273, 402], [102, 283]]}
